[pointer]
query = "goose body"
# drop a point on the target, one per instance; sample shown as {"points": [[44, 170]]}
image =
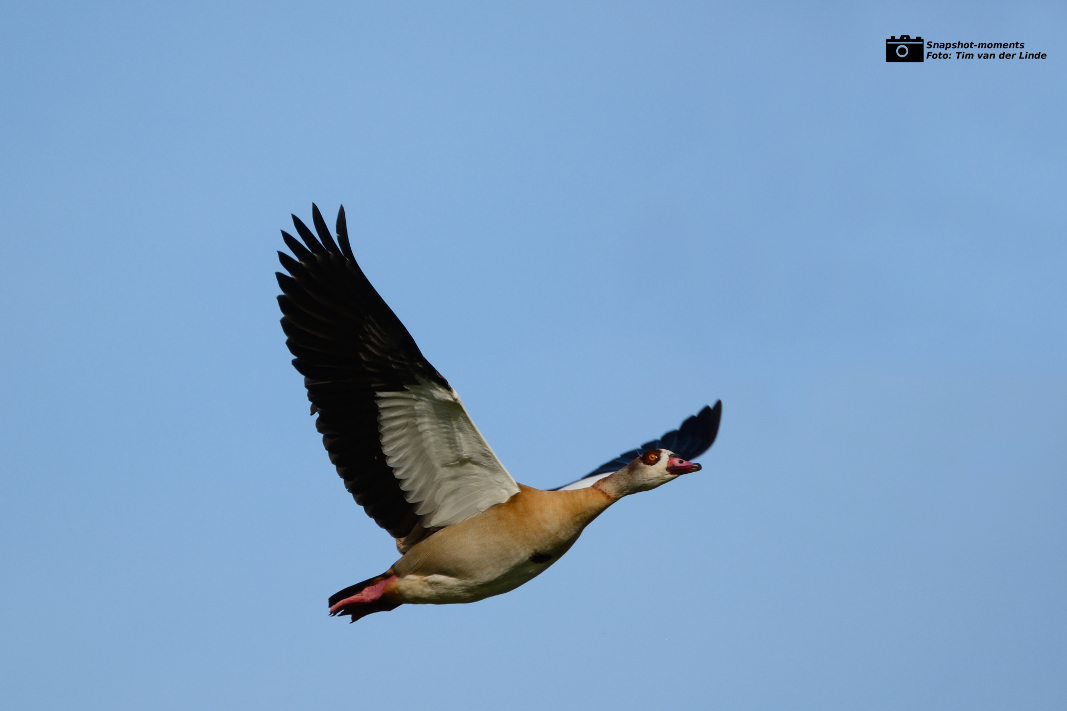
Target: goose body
{"points": [[498, 550], [411, 456]]}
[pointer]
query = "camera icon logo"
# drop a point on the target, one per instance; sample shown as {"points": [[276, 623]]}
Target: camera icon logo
{"points": [[904, 49]]}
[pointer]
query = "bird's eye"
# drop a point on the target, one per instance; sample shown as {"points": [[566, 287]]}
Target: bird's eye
{"points": [[650, 458]]}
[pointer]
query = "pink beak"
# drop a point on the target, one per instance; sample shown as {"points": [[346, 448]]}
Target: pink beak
{"points": [[677, 465]]}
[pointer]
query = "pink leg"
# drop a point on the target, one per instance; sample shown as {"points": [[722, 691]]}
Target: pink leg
{"points": [[366, 601]]}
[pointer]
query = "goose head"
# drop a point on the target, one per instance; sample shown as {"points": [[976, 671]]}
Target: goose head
{"points": [[654, 468]]}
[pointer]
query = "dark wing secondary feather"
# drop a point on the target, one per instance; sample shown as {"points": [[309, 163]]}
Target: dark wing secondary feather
{"points": [[693, 438], [348, 344]]}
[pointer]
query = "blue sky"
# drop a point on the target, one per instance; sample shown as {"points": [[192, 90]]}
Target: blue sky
{"points": [[594, 219]]}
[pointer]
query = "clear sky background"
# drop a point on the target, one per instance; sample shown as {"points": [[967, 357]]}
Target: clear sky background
{"points": [[594, 218]]}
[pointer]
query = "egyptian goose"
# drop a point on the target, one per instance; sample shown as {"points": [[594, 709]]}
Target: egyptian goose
{"points": [[411, 456]]}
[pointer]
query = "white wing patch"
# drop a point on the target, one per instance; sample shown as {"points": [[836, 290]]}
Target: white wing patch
{"points": [[445, 467]]}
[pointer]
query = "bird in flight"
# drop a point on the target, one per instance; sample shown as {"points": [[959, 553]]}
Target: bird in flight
{"points": [[411, 456]]}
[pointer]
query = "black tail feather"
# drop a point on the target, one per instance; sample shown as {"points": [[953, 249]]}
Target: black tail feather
{"points": [[361, 609]]}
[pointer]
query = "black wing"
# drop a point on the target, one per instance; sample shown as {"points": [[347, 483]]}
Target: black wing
{"points": [[349, 345], [689, 441]]}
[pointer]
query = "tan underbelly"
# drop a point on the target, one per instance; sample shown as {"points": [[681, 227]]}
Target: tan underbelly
{"points": [[450, 571], [440, 589]]}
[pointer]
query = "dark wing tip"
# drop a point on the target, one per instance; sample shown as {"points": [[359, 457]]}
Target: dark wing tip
{"points": [[698, 433], [308, 236], [342, 224], [714, 417], [342, 235], [322, 229]]}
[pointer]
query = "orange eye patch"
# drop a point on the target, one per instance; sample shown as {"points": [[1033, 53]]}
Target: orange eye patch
{"points": [[650, 458]]}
